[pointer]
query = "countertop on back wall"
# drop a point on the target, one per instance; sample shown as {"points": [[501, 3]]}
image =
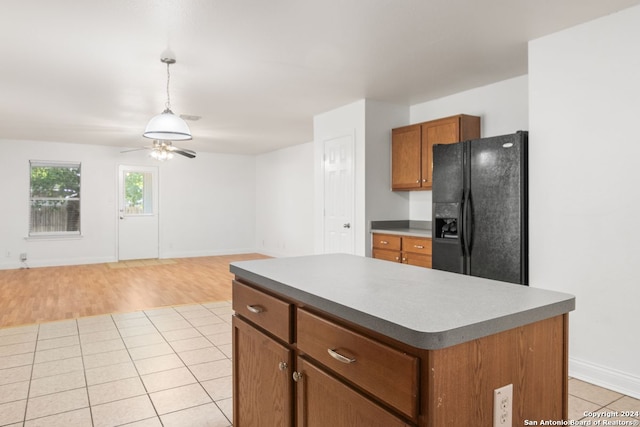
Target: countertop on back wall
{"points": [[402, 227]]}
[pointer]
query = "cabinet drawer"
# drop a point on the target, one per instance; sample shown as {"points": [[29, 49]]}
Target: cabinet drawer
{"points": [[266, 311], [386, 373], [418, 245], [386, 255], [387, 241]]}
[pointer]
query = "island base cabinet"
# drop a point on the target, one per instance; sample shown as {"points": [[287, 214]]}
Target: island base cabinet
{"points": [[324, 401], [329, 373], [262, 379], [532, 357]]}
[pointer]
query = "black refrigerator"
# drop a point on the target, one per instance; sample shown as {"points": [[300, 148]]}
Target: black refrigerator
{"points": [[480, 211]]}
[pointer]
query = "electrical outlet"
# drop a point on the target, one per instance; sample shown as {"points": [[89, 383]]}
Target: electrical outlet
{"points": [[23, 256], [503, 406]]}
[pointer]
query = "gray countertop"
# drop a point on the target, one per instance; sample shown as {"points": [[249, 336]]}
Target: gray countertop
{"points": [[402, 227], [415, 232], [428, 309]]}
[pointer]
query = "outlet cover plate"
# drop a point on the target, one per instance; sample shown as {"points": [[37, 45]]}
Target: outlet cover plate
{"points": [[503, 406]]}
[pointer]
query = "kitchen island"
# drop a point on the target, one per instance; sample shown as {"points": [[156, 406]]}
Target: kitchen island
{"points": [[343, 340]]}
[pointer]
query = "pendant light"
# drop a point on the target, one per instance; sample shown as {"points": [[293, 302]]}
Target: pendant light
{"points": [[167, 126]]}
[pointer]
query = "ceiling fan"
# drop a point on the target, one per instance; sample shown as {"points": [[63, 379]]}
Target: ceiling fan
{"points": [[164, 150]]}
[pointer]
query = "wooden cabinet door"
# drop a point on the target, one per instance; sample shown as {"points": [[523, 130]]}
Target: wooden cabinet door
{"points": [[419, 260], [405, 158], [324, 401], [262, 384], [386, 255], [437, 132]]}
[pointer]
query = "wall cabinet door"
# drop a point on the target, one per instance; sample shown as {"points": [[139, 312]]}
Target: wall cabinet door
{"points": [[406, 148], [261, 379], [324, 401], [437, 132]]}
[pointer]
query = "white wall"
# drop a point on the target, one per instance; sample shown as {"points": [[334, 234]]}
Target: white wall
{"points": [[284, 200], [98, 205], [207, 204], [584, 87], [502, 107]]}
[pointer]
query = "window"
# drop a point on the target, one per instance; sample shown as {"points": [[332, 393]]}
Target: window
{"points": [[55, 199], [137, 193]]}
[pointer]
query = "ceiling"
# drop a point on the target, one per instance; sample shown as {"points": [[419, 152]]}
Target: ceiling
{"points": [[256, 71]]}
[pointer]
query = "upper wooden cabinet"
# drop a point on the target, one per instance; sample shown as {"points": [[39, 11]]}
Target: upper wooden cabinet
{"points": [[411, 148]]}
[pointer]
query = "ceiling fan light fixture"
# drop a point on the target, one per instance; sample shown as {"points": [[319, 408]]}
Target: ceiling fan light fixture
{"points": [[166, 126], [161, 155], [161, 150]]}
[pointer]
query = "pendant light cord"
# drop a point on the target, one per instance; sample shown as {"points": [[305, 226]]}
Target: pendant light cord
{"points": [[168, 104]]}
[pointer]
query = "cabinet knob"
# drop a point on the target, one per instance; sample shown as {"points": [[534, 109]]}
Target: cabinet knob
{"points": [[283, 366], [384, 242], [417, 181], [297, 376], [424, 180]]}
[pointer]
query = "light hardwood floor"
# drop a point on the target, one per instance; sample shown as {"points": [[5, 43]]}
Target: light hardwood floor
{"points": [[55, 293]]}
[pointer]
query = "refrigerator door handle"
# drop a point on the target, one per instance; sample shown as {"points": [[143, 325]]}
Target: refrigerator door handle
{"points": [[461, 225], [468, 222]]}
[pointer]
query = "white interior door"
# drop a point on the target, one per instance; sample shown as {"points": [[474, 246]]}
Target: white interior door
{"points": [[138, 212], [339, 184]]}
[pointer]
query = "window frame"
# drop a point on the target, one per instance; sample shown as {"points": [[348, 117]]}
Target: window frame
{"points": [[55, 234]]}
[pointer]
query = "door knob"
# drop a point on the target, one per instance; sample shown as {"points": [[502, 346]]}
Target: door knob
{"points": [[347, 225]]}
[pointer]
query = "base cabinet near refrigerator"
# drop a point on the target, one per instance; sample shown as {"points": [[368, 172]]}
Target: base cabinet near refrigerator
{"points": [[294, 364], [399, 248]]}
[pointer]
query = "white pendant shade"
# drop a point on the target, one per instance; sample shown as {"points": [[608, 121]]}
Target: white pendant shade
{"points": [[167, 126]]}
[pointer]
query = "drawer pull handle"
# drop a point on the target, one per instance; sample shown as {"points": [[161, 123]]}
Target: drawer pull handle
{"points": [[418, 246], [384, 242], [255, 309], [339, 357]]}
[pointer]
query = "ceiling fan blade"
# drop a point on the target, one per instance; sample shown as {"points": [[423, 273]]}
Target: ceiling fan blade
{"points": [[135, 149], [174, 148], [187, 153]]}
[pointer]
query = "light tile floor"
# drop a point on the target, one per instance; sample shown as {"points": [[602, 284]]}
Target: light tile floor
{"points": [[162, 367], [611, 407]]}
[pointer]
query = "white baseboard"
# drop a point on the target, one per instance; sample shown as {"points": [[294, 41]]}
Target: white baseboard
{"points": [[604, 376], [56, 262], [195, 254], [14, 265]]}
